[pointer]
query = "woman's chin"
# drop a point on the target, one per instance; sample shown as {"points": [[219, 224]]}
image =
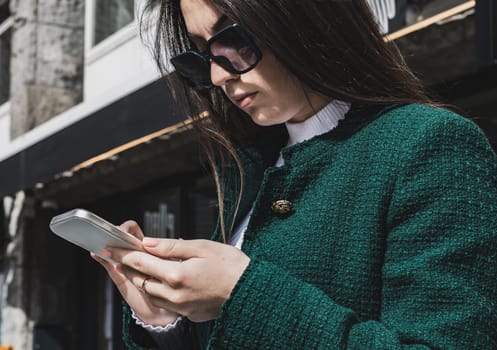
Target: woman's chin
{"points": [[263, 120]]}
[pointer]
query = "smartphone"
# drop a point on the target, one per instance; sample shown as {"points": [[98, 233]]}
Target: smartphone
{"points": [[89, 231]]}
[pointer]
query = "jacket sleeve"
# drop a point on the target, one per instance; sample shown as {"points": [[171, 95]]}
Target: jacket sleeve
{"points": [[439, 277], [134, 336], [186, 335]]}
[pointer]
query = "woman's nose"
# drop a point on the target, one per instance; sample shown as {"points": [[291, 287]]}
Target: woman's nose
{"points": [[219, 75]]}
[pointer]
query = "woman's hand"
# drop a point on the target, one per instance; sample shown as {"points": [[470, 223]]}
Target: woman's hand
{"points": [[136, 299], [192, 278]]}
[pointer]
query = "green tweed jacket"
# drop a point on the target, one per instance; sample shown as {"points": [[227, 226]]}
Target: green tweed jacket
{"points": [[390, 243]]}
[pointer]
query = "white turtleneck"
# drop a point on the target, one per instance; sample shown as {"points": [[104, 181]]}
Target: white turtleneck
{"points": [[323, 121]]}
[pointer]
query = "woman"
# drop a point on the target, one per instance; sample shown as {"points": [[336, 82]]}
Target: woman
{"points": [[357, 213]]}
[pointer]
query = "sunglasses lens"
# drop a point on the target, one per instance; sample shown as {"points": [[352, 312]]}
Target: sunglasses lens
{"points": [[194, 68], [233, 51], [231, 48]]}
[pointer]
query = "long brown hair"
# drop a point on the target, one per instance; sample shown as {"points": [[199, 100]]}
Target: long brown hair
{"points": [[333, 47]]}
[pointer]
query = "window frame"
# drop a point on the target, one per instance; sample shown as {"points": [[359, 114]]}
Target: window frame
{"points": [[5, 25], [95, 51]]}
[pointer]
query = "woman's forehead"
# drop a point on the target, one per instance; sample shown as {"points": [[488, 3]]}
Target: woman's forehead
{"points": [[201, 17]]}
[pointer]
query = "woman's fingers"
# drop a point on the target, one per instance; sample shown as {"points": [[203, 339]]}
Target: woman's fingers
{"points": [[176, 248], [158, 292], [161, 295], [135, 264], [193, 278], [109, 267], [135, 277], [133, 228], [145, 306], [106, 264], [117, 277], [120, 278]]}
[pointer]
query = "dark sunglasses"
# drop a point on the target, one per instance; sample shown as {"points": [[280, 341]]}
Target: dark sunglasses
{"points": [[231, 48]]}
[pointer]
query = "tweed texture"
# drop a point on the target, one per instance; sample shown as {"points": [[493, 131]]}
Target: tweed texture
{"points": [[391, 242]]}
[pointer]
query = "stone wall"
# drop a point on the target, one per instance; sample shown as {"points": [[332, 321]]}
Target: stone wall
{"points": [[47, 60]]}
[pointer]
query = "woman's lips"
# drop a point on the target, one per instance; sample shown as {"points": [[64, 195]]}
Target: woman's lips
{"points": [[245, 100]]}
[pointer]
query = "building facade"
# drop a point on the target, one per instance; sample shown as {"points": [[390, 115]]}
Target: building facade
{"points": [[85, 121]]}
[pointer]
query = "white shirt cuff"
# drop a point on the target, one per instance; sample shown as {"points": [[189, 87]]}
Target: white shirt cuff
{"points": [[156, 329]]}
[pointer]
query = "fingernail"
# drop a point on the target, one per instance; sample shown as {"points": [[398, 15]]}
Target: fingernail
{"points": [[150, 242], [106, 253]]}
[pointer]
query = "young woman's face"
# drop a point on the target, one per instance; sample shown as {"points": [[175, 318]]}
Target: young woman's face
{"points": [[269, 93]]}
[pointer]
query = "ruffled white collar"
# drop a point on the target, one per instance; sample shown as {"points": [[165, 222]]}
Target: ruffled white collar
{"points": [[323, 121]]}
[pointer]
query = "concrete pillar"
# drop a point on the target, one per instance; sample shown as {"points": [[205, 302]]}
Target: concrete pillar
{"points": [[47, 60]]}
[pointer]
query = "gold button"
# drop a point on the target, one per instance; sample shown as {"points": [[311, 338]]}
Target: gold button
{"points": [[282, 206]]}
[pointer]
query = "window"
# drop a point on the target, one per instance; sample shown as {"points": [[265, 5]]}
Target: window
{"points": [[110, 16], [5, 38]]}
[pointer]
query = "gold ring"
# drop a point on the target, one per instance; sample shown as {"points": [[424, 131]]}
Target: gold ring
{"points": [[144, 284]]}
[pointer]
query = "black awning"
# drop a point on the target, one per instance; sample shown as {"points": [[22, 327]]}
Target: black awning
{"points": [[139, 113]]}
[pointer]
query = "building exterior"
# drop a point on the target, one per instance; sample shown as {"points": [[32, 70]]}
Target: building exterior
{"points": [[85, 121]]}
